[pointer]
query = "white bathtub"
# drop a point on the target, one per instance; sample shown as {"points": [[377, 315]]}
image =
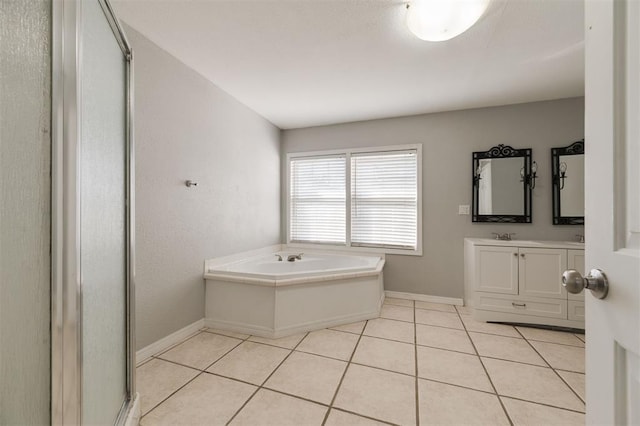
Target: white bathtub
{"points": [[254, 293], [267, 269]]}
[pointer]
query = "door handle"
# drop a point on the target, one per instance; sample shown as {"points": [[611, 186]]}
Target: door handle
{"points": [[596, 281]]}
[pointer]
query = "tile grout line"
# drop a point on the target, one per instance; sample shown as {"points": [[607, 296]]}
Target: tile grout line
{"points": [[451, 328], [344, 409], [159, 355], [195, 377], [145, 361], [415, 358], [485, 370], [413, 306], [179, 364], [281, 392], [392, 340], [264, 386], [485, 356], [548, 341], [388, 340], [170, 395], [344, 373], [531, 365], [261, 386], [542, 404], [360, 364], [552, 368], [303, 399], [330, 406], [363, 416], [421, 345], [553, 343], [215, 331], [523, 337], [374, 368], [175, 345], [423, 323], [336, 359]]}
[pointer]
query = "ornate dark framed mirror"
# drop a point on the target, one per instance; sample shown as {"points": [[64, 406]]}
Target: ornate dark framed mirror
{"points": [[503, 178], [567, 168]]}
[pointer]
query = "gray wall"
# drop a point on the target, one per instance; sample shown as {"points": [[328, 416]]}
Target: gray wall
{"points": [[187, 128], [25, 191], [448, 140]]}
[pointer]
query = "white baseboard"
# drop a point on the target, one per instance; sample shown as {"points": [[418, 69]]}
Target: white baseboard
{"points": [[166, 342], [425, 298]]}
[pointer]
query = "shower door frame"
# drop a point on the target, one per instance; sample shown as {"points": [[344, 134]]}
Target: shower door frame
{"points": [[66, 284]]}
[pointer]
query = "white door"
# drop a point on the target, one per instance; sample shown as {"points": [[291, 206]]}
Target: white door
{"points": [[612, 203]]}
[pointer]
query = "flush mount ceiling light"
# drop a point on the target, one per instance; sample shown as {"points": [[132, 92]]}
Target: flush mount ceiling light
{"points": [[439, 20]]}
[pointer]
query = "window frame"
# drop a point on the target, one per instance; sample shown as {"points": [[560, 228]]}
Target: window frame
{"points": [[347, 153]]}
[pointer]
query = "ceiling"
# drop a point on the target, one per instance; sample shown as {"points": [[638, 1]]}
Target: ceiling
{"points": [[302, 63]]}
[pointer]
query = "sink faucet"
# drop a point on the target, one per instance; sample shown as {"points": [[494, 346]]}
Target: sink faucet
{"points": [[293, 257], [504, 237], [580, 238], [278, 257]]}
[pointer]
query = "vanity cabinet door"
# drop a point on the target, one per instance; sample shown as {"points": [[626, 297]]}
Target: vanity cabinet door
{"points": [[575, 260], [496, 269], [540, 272]]}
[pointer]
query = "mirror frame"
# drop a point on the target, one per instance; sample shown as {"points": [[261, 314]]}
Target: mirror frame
{"points": [[576, 148], [503, 151]]}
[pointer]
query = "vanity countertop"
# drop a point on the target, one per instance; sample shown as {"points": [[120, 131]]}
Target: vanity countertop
{"points": [[526, 243]]}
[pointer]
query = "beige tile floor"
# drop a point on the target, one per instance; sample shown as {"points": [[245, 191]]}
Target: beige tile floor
{"points": [[419, 364]]}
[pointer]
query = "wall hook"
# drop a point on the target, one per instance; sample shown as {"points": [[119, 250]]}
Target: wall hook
{"points": [[191, 183]]}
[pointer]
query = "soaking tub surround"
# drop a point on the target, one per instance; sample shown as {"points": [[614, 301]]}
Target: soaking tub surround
{"points": [[255, 293]]}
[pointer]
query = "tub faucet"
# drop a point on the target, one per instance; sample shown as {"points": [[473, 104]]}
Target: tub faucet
{"points": [[293, 257], [279, 257], [504, 237]]}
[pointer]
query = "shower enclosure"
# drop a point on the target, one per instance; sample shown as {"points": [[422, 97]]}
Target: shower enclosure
{"points": [[66, 215], [92, 222]]}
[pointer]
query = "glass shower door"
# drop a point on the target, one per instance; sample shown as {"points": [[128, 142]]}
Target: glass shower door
{"points": [[92, 217], [103, 224]]}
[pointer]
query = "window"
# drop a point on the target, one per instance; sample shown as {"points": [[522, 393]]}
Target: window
{"points": [[384, 200], [317, 199], [367, 198]]}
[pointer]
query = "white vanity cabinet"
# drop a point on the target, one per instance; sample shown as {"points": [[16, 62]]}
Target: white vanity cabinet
{"points": [[521, 281]]}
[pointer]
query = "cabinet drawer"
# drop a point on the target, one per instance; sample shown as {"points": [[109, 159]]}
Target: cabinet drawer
{"points": [[552, 308], [576, 310]]}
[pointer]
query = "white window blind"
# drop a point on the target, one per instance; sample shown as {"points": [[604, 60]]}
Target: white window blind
{"points": [[384, 199], [318, 199]]}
